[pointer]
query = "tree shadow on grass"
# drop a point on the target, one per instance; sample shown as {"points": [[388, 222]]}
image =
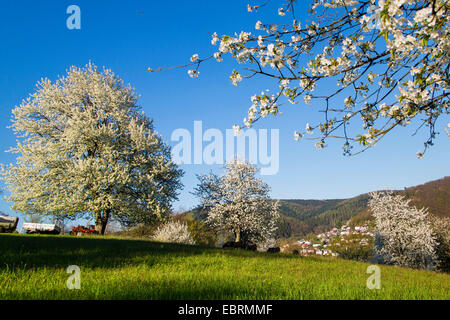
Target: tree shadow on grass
{"points": [[27, 252], [30, 252]]}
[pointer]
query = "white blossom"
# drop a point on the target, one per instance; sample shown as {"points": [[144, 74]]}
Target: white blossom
{"points": [[297, 135], [236, 129], [218, 56], [194, 57], [320, 144], [235, 77], [308, 98], [193, 73], [214, 39]]}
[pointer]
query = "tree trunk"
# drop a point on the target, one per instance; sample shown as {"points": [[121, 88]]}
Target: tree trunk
{"points": [[101, 221], [238, 235], [100, 226]]}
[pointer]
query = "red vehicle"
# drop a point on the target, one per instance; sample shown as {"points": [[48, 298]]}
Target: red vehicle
{"points": [[82, 230]]}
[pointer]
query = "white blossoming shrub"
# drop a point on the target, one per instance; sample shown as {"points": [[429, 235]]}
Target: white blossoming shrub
{"points": [[404, 233], [173, 232]]}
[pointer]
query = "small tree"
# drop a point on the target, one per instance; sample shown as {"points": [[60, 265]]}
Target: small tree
{"points": [[88, 149], [404, 233], [239, 203], [174, 232]]}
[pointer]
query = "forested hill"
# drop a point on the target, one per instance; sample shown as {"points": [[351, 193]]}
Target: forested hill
{"points": [[306, 216], [434, 195], [301, 217]]}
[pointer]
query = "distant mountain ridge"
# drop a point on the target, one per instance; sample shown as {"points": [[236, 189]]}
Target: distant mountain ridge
{"points": [[300, 217]]}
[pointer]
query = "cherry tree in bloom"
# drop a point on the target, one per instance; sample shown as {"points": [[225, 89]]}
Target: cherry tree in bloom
{"points": [[238, 202], [404, 233], [87, 149], [388, 61]]}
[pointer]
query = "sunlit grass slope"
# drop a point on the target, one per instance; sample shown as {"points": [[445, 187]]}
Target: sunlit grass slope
{"points": [[34, 267]]}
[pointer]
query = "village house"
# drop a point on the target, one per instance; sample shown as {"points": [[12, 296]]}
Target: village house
{"points": [[310, 248]]}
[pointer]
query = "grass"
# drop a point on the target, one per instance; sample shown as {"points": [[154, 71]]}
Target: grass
{"points": [[34, 267]]}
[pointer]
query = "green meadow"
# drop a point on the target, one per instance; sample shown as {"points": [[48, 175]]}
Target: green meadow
{"points": [[35, 267]]}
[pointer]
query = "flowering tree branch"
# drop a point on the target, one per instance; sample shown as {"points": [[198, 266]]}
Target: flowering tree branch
{"points": [[388, 58]]}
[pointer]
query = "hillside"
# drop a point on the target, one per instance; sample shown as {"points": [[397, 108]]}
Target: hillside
{"points": [[434, 195], [35, 267], [329, 214], [301, 217]]}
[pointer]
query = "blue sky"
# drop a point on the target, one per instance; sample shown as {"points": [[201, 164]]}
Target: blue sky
{"points": [[130, 36]]}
